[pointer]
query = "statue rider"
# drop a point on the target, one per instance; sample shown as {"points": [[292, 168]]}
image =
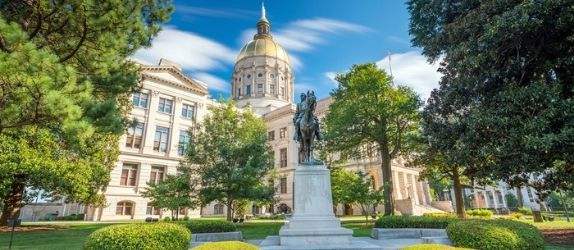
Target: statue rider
{"points": [[299, 113]]}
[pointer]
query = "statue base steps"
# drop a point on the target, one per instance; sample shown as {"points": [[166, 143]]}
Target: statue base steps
{"points": [[313, 224]]}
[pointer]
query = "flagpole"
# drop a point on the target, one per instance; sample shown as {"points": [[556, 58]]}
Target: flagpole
{"points": [[391, 68]]}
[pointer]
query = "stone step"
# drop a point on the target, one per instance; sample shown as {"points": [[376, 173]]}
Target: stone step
{"points": [[406, 233], [437, 240]]}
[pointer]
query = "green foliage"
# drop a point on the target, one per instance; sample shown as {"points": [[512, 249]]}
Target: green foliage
{"points": [[63, 87], [440, 215], [208, 226], [561, 200], [517, 216], [167, 219], [226, 245], [511, 200], [414, 222], [368, 111], [507, 93], [430, 247], [140, 236], [482, 213], [525, 210], [231, 156], [495, 234], [175, 191]]}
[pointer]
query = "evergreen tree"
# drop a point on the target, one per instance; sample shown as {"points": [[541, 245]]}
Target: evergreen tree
{"points": [[508, 68], [64, 79]]}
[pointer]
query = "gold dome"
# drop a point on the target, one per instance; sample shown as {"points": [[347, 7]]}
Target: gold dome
{"points": [[263, 46]]}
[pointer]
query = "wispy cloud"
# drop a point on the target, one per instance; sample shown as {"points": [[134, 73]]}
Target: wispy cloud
{"points": [[213, 82], [412, 69], [331, 76], [305, 35], [223, 13], [191, 51]]}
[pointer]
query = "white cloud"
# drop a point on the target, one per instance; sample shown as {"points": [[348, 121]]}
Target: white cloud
{"points": [[413, 70], [191, 51], [304, 35], [213, 82], [331, 76], [302, 87]]}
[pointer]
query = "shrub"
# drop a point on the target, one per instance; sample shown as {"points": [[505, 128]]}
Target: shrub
{"points": [[441, 215], [208, 226], [430, 247], [517, 216], [525, 211], [186, 218], [494, 234], [226, 245], [167, 219], [414, 222], [483, 213], [139, 236]]}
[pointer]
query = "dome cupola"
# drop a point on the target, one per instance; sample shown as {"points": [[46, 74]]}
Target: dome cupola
{"points": [[262, 74]]}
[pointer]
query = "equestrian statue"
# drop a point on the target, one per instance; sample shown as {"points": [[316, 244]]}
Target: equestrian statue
{"points": [[306, 127]]}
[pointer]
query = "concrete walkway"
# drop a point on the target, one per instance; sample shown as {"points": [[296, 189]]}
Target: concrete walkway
{"points": [[386, 244]]}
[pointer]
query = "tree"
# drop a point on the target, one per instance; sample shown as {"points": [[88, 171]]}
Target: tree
{"points": [[341, 180], [64, 79], [366, 195], [368, 109], [511, 201], [231, 155], [508, 69], [176, 191]]}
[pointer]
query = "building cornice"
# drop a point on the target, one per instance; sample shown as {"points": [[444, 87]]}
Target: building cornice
{"points": [[193, 85]]}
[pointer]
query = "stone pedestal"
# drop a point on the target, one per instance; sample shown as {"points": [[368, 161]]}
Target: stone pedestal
{"points": [[313, 221]]}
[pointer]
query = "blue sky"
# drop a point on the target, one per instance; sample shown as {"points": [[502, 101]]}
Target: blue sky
{"points": [[322, 37]]}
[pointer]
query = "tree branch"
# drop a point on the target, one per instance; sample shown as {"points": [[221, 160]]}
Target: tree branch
{"points": [[80, 43]]}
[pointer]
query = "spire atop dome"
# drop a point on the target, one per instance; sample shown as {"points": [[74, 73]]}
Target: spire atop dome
{"points": [[263, 17], [263, 25]]}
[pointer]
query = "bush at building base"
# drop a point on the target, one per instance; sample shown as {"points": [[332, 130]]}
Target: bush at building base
{"points": [[432, 247], [414, 222], [494, 234], [139, 236], [226, 245], [208, 226]]}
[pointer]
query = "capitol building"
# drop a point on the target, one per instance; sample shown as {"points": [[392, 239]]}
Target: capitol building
{"points": [[171, 103]]}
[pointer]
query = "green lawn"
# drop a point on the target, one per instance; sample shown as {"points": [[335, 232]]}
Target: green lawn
{"points": [[74, 235]]}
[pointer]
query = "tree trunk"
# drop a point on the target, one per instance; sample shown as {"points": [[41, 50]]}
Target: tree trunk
{"points": [[13, 202], [229, 213], [519, 197], [388, 200], [458, 197]]}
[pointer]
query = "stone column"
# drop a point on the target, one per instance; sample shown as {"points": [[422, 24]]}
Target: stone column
{"points": [[397, 186], [494, 197], [414, 188], [485, 197], [150, 125]]}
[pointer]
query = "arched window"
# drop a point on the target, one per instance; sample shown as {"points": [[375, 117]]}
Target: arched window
{"points": [[124, 208], [218, 209]]}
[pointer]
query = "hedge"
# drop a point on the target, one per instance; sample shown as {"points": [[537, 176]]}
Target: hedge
{"points": [[483, 213], [414, 222], [226, 245], [495, 234], [139, 236], [432, 247], [208, 226], [441, 215]]}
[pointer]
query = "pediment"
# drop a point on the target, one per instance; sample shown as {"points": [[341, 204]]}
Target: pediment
{"points": [[173, 76]]}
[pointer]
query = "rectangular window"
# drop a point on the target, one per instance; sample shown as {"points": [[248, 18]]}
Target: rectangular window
{"points": [[129, 175], [238, 92], [165, 105], [272, 89], [156, 174], [161, 138], [282, 91], [283, 157], [140, 100], [283, 132], [530, 196], [124, 208], [187, 111], [248, 90], [184, 140], [271, 135], [260, 88], [283, 185], [135, 135], [151, 209]]}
